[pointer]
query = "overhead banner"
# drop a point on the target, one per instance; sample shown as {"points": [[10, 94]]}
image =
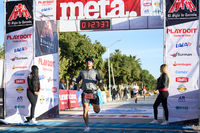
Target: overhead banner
{"points": [[182, 58], [18, 55], [108, 14], [45, 10]]}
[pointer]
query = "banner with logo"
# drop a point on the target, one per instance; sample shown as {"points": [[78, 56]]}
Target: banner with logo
{"points": [[151, 7], [46, 36], [182, 58], [63, 99], [73, 100], [48, 98], [84, 15], [18, 56], [45, 10]]}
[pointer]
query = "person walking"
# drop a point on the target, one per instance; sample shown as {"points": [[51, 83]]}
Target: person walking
{"points": [[114, 93], [89, 77], [126, 91], [135, 88], [162, 84], [33, 91], [144, 91]]}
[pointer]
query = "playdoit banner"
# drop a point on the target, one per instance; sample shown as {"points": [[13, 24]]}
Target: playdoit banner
{"points": [[18, 55], [182, 58]]}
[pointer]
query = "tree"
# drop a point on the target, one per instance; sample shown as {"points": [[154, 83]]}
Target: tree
{"points": [[2, 52], [126, 68]]}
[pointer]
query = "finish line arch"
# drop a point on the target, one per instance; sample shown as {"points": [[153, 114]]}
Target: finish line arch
{"points": [[39, 31]]}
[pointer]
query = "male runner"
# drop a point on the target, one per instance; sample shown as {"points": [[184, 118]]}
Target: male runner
{"points": [[89, 77], [135, 88]]}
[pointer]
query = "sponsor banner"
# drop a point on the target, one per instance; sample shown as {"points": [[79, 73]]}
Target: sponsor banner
{"points": [[73, 100], [151, 7], [182, 9], [182, 58], [1, 73], [126, 16], [45, 10], [183, 107], [97, 9], [19, 15], [19, 59], [46, 38], [63, 99], [48, 74]]}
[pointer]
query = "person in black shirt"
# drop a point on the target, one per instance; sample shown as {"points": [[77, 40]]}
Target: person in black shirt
{"points": [[33, 91]]}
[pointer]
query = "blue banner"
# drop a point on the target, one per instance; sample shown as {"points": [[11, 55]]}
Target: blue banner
{"points": [[79, 97]]}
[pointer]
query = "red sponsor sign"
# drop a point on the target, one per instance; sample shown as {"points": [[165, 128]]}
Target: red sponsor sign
{"points": [[19, 81], [63, 99], [182, 79], [83, 9], [147, 4], [54, 89], [73, 100]]}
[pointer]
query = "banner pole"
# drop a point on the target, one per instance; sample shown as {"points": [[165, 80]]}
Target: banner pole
{"points": [[34, 10], [4, 59]]}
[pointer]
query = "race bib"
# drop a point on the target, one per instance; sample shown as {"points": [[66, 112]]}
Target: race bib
{"points": [[89, 96]]}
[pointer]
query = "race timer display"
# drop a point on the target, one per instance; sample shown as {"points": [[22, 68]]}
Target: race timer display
{"points": [[94, 24]]}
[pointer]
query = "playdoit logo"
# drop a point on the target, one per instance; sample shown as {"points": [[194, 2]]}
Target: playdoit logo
{"points": [[18, 11]]}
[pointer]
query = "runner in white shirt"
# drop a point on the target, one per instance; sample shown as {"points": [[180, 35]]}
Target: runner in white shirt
{"points": [[135, 88]]}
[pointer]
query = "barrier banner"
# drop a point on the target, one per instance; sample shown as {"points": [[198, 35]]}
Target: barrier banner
{"points": [[73, 101], [100, 97], [182, 58], [103, 95], [79, 97], [63, 99]]}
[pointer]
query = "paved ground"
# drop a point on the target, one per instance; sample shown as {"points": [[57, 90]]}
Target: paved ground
{"points": [[119, 111]]}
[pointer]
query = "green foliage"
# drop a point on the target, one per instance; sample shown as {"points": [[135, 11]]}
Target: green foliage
{"points": [[127, 70], [74, 49], [2, 52]]}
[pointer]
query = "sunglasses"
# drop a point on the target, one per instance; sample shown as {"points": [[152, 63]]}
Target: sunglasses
{"points": [[89, 61]]}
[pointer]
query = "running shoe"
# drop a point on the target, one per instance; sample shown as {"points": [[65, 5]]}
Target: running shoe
{"points": [[154, 122], [165, 123], [87, 129]]}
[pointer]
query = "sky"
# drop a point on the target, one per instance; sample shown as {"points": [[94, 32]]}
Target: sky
{"points": [[144, 44]]}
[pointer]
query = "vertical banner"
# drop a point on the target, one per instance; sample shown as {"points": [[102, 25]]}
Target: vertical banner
{"points": [[45, 10], [46, 52], [182, 58], [18, 55]]}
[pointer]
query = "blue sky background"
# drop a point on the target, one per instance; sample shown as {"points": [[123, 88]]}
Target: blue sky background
{"points": [[145, 44]]}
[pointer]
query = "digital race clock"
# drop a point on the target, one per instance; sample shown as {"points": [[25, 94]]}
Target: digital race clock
{"points": [[94, 24]]}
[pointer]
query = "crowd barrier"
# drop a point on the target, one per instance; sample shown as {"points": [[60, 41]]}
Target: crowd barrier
{"points": [[72, 98]]}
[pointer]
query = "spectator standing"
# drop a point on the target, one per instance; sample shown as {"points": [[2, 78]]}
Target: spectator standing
{"points": [[61, 84]]}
